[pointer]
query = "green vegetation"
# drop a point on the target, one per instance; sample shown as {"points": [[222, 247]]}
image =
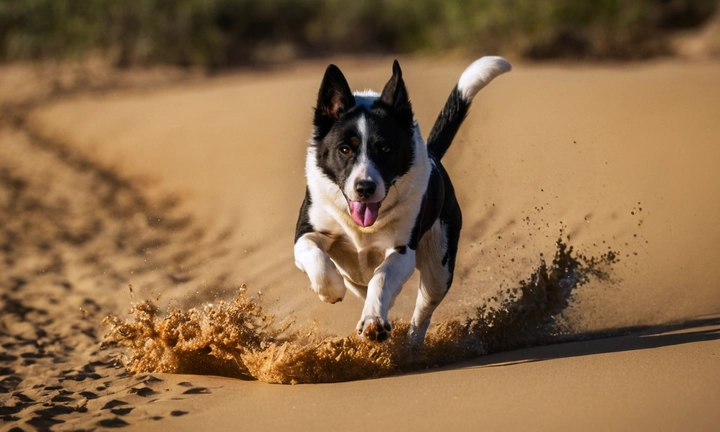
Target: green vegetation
{"points": [[219, 33]]}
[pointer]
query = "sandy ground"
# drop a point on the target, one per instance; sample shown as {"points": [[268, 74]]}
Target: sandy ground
{"points": [[185, 188]]}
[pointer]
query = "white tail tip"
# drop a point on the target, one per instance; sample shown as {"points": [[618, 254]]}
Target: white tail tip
{"points": [[480, 73]]}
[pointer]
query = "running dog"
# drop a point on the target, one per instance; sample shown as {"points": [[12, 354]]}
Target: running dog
{"points": [[378, 202]]}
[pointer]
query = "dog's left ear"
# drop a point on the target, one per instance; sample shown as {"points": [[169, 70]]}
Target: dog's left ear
{"points": [[395, 96]]}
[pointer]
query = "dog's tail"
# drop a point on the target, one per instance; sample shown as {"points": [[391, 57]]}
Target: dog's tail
{"points": [[476, 76]]}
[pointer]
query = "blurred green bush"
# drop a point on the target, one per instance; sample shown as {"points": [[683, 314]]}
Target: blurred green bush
{"points": [[219, 33]]}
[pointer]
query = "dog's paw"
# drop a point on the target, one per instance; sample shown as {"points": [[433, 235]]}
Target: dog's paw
{"points": [[374, 328], [329, 286], [416, 338], [324, 277], [332, 299]]}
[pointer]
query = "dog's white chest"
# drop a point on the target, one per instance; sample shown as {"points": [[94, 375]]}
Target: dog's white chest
{"points": [[357, 265]]}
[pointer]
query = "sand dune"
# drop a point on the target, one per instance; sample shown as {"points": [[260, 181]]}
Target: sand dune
{"points": [[186, 191]]}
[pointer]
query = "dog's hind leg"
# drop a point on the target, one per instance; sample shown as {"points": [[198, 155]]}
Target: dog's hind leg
{"points": [[430, 293], [436, 262]]}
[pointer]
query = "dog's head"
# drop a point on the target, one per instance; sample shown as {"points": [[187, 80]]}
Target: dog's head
{"points": [[363, 141]]}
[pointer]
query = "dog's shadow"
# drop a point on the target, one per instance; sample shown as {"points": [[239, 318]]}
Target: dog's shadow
{"points": [[605, 342]]}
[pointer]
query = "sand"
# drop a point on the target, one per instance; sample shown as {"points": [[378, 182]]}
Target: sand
{"points": [[179, 189]]}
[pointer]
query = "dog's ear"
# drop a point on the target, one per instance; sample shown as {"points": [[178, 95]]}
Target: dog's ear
{"points": [[395, 96], [334, 97]]}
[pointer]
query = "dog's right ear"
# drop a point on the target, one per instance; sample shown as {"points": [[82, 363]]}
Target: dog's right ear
{"points": [[334, 97]]}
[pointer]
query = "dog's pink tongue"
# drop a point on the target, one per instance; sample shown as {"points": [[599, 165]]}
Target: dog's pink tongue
{"points": [[364, 214]]}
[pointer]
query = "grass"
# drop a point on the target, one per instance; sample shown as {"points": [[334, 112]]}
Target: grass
{"points": [[221, 33]]}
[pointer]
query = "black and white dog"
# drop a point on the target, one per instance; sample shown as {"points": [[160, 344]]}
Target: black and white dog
{"points": [[378, 201]]}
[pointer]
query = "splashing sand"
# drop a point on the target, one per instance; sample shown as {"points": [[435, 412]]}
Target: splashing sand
{"points": [[239, 339]]}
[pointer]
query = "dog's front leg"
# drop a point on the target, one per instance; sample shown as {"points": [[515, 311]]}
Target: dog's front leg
{"points": [[384, 287], [312, 258]]}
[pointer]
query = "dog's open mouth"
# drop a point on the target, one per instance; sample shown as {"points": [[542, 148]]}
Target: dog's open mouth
{"points": [[364, 213]]}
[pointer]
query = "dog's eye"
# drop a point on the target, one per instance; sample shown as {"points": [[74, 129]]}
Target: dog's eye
{"points": [[385, 149], [345, 150]]}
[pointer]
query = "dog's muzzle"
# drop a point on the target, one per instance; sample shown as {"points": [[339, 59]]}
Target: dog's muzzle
{"points": [[363, 212]]}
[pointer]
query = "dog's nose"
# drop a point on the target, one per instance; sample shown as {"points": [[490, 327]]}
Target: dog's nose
{"points": [[365, 188]]}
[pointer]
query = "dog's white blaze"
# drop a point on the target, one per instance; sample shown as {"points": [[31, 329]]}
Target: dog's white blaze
{"points": [[480, 73], [364, 169], [362, 128]]}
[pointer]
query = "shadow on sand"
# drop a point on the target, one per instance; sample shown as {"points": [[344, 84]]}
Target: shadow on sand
{"points": [[605, 342]]}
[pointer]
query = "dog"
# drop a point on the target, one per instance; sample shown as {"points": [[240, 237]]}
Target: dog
{"points": [[378, 201]]}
